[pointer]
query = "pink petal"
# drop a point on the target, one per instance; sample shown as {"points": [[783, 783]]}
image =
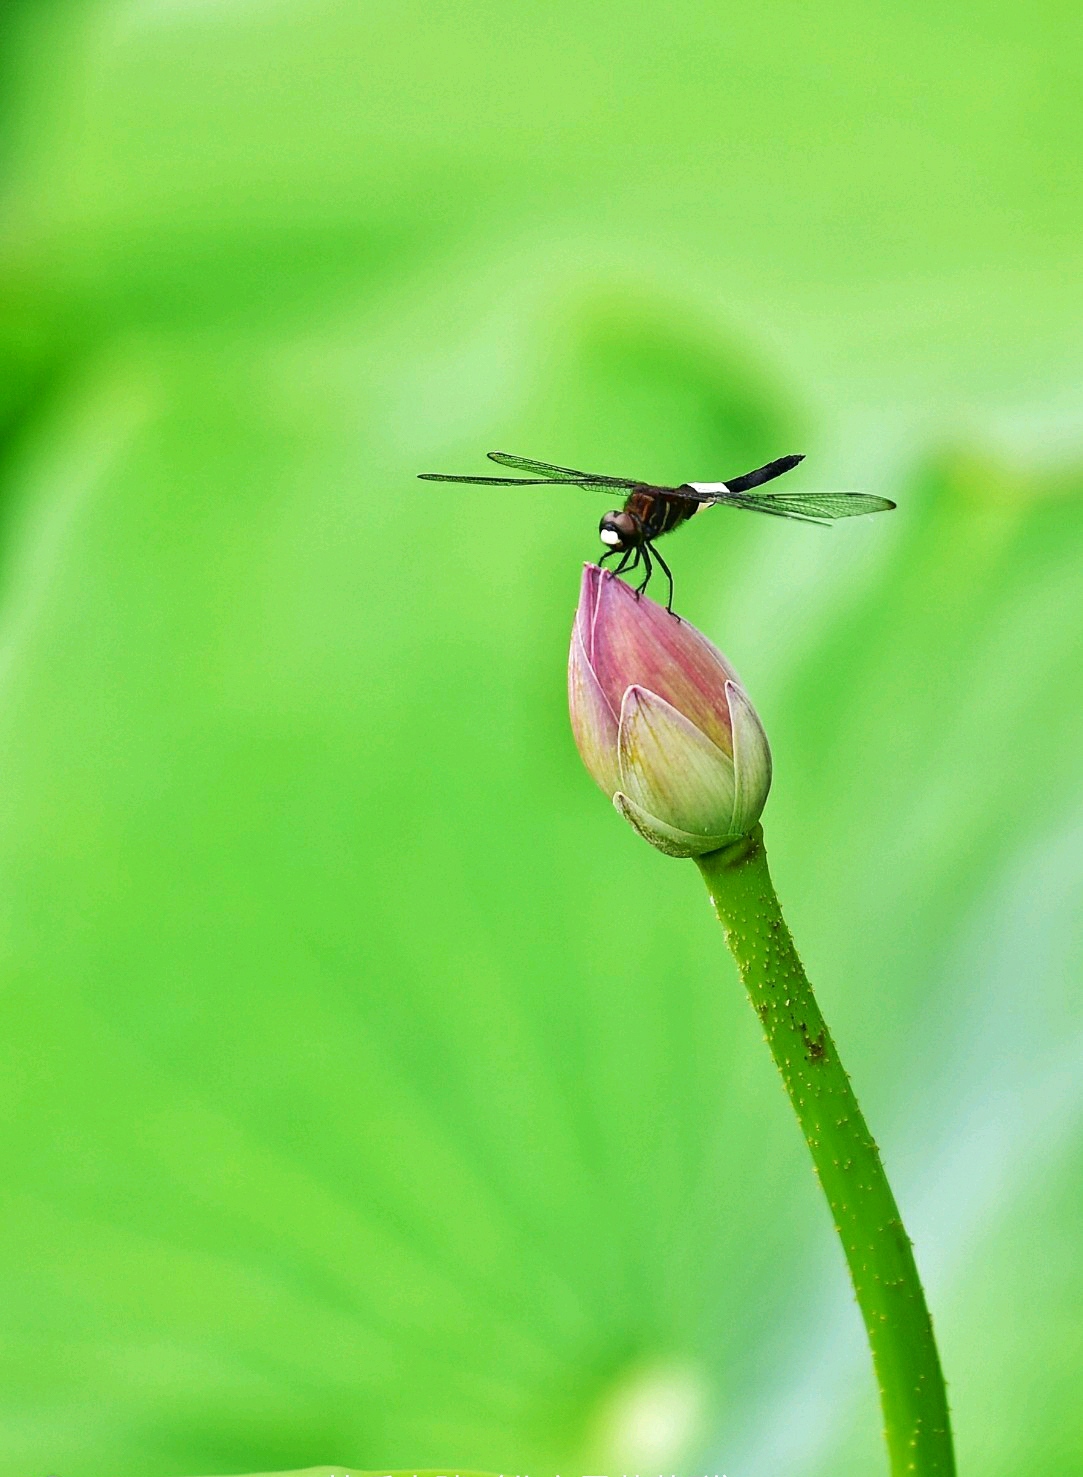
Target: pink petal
{"points": [[594, 723], [590, 587], [632, 642]]}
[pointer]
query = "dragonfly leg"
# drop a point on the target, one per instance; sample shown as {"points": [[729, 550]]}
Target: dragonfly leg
{"points": [[623, 565], [645, 549], [669, 576]]}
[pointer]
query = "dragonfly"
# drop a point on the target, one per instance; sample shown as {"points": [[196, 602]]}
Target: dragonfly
{"points": [[649, 510]]}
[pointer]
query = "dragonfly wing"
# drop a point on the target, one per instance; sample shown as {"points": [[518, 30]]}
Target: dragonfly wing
{"points": [[606, 484], [592, 484], [542, 470], [808, 507], [547, 472], [483, 481]]}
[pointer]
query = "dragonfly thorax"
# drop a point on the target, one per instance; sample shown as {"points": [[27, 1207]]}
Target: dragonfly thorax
{"points": [[618, 530]]}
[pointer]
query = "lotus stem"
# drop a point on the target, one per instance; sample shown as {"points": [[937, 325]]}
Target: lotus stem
{"points": [[878, 1252]]}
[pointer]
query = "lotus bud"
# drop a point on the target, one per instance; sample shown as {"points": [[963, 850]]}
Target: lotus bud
{"points": [[662, 722]]}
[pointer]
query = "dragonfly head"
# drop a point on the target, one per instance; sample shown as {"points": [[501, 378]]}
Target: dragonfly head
{"points": [[617, 530]]}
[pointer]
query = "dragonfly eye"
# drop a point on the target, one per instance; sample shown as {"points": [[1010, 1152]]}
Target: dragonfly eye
{"points": [[615, 529]]}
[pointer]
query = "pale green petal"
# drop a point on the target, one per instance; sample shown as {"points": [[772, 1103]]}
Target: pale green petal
{"points": [[672, 770], [751, 761], [670, 839]]}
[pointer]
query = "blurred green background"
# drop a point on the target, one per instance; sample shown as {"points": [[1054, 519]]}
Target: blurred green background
{"points": [[370, 1093]]}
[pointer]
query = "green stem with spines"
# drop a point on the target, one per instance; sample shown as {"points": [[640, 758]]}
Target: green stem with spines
{"points": [[847, 1161]]}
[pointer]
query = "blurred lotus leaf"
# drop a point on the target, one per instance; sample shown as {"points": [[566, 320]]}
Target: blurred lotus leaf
{"points": [[368, 1092]]}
